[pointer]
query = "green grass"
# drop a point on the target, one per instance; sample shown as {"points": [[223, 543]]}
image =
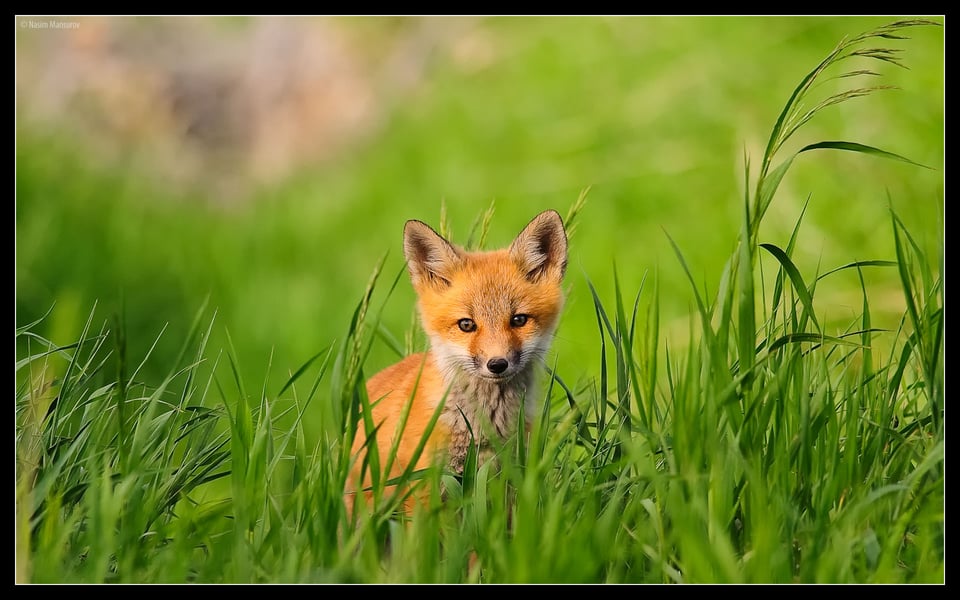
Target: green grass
{"points": [[760, 444], [653, 114]]}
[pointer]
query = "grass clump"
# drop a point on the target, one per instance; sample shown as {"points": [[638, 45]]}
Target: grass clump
{"points": [[767, 449]]}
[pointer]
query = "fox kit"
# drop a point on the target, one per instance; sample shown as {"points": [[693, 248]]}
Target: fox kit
{"points": [[490, 317]]}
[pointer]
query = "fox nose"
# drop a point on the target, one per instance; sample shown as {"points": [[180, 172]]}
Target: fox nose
{"points": [[497, 365]]}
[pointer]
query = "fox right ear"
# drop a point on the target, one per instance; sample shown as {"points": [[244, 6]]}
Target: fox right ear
{"points": [[541, 248], [430, 258]]}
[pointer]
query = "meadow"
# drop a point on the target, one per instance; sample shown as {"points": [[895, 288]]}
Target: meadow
{"points": [[748, 376]]}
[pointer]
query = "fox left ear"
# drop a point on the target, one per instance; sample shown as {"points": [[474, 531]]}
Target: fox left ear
{"points": [[431, 259], [540, 250]]}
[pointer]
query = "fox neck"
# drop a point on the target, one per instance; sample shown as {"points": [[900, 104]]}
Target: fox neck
{"points": [[482, 410]]}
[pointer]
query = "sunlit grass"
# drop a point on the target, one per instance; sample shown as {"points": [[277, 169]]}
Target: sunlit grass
{"points": [[760, 448]]}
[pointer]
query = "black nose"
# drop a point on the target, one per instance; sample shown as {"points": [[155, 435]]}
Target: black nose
{"points": [[497, 365]]}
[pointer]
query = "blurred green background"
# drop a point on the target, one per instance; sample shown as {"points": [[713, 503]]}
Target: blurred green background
{"points": [[266, 164]]}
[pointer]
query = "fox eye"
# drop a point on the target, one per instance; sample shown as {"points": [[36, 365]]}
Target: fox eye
{"points": [[518, 320], [466, 325]]}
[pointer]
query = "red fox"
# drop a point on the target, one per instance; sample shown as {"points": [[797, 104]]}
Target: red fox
{"points": [[490, 317]]}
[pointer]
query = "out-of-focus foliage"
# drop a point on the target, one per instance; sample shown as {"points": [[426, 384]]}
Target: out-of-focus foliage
{"points": [[266, 164]]}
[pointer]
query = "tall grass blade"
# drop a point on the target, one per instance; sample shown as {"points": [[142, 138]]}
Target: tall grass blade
{"points": [[864, 149], [798, 284]]}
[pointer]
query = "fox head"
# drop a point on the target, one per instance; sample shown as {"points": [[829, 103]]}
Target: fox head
{"points": [[489, 314]]}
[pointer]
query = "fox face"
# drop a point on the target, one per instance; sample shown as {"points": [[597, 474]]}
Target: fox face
{"points": [[489, 315]]}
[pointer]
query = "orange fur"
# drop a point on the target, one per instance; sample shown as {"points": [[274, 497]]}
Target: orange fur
{"points": [[490, 317]]}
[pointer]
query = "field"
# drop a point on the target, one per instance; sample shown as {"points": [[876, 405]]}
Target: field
{"points": [[749, 368]]}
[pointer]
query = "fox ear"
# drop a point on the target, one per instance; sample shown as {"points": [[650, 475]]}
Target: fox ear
{"points": [[430, 258], [540, 250]]}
